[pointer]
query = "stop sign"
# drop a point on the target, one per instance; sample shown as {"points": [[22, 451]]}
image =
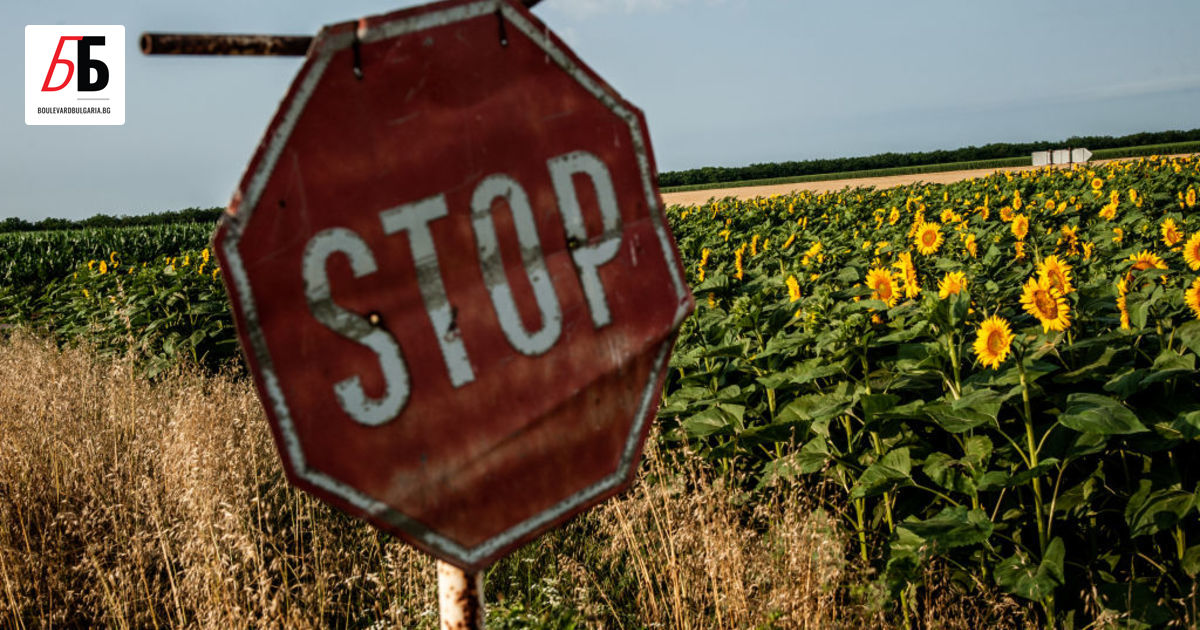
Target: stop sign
{"points": [[452, 278]]}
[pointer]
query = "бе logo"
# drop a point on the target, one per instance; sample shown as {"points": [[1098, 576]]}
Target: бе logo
{"points": [[74, 75]]}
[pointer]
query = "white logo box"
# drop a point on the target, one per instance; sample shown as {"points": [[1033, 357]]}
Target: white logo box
{"points": [[71, 78]]}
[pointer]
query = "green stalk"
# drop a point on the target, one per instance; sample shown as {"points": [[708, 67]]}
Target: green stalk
{"points": [[956, 391], [860, 508], [1033, 457]]}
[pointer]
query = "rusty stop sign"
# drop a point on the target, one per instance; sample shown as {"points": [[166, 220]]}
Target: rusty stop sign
{"points": [[452, 278]]}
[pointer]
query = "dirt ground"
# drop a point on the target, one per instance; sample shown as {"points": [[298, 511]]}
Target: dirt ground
{"points": [[694, 197]]}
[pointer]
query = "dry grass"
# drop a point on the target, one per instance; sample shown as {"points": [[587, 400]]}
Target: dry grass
{"points": [[126, 503]]}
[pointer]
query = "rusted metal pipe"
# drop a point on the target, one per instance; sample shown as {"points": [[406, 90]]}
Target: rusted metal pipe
{"points": [[224, 44], [460, 598], [234, 44]]}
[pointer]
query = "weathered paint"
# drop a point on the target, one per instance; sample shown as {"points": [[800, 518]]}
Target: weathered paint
{"points": [[452, 278], [460, 598]]}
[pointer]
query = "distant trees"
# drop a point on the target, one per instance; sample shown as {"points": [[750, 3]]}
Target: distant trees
{"points": [[995, 150], [187, 215]]}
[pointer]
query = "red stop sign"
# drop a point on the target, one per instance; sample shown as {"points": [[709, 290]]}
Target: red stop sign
{"points": [[452, 278]]}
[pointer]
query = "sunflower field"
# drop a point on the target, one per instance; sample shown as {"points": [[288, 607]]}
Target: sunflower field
{"points": [[998, 375], [160, 309]]}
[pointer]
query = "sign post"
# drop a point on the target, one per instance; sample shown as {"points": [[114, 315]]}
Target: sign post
{"points": [[453, 282]]}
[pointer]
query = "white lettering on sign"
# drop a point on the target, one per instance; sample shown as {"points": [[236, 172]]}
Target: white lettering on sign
{"points": [[527, 342], [350, 394], [414, 219], [588, 258]]}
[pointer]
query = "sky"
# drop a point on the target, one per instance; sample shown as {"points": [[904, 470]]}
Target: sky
{"points": [[722, 82]]}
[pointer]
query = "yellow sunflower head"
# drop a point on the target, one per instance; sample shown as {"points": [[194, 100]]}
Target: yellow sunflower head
{"points": [[1006, 214], [1191, 252], [882, 285], [793, 289], [1020, 226], [1118, 235], [1170, 232], [928, 238], [951, 284], [1114, 197], [1122, 289], [1147, 259], [1190, 197], [1097, 184], [1042, 301], [993, 341], [1192, 297], [1057, 273]]}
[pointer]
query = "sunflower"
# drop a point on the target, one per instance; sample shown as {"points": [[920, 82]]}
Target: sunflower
{"points": [[908, 272], [1118, 235], [1190, 198], [1170, 232], [1191, 252], [793, 289], [882, 285], [737, 261], [1020, 250], [1045, 303], [1192, 297], [1109, 211], [929, 238], [1050, 205], [1006, 214], [951, 283], [1097, 184], [1122, 289], [993, 341], [1057, 273], [970, 245], [1020, 226], [1114, 197], [1147, 259]]}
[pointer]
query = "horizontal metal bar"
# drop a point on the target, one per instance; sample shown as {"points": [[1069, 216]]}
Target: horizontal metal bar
{"points": [[234, 44], [224, 44]]}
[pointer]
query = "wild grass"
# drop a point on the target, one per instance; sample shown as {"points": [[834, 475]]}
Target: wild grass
{"points": [[130, 503]]}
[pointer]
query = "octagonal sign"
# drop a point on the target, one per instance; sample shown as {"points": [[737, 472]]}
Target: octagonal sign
{"points": [[452, 278]]}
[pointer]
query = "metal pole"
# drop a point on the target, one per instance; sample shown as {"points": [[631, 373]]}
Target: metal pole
{"points": [[235, 44], [224, 44], [460, 598]]}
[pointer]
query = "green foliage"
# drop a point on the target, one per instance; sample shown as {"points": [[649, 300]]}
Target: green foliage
{"points": [[1067, 475], [161, 310], [31, 259]]}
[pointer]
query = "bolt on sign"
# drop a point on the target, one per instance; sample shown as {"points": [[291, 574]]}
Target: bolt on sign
{"points": [[452, 278]]}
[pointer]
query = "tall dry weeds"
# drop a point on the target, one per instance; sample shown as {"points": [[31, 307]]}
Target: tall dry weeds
{"points": [[127, 503]]}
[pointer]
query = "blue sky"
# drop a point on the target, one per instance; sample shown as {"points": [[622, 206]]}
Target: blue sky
{"points": [[722, 82]]}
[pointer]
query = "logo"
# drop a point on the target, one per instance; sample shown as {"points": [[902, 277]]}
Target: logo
{"points": [[74, 75]]}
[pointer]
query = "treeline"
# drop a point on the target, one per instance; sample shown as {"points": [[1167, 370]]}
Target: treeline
{"points": [[187, 215], [996, 150]]}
